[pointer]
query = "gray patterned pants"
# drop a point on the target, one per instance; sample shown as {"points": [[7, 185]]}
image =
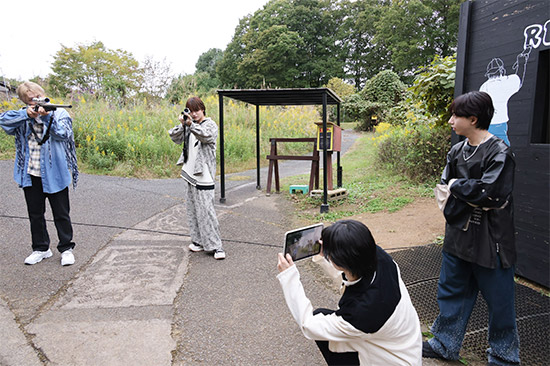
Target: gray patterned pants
{"points": [[201, 217]]}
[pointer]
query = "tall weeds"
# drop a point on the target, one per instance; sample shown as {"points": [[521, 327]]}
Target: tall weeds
{"points": [[133, 140]]}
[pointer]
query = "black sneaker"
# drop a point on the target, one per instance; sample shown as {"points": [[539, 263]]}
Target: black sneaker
{"points": [[428, 352]]}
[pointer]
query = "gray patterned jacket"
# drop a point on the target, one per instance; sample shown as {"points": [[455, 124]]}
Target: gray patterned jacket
{"points": [[207, 133]]}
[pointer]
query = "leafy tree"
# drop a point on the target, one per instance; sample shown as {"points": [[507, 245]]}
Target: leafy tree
{"points": [[340, 87], [180, 86], [321, 58], [348, 39], [287, 43], [414, 31], [365, 56], [208, 62], [205, 84], [94, 69], [434, 87], [274, 59]]}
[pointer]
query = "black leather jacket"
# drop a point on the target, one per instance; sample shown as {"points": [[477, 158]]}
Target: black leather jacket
{"points": [[479, 212]]}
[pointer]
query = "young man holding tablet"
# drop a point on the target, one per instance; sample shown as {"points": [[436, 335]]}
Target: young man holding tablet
{"points": [[375, 322]]}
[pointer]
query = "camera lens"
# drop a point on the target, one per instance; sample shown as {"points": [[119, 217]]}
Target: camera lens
{"points": [[185, 113]]}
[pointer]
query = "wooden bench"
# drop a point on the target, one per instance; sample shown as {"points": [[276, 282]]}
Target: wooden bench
{"points": [[274, 162]]}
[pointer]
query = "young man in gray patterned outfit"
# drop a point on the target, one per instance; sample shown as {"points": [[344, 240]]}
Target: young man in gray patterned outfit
{"points": [[198, 159]]}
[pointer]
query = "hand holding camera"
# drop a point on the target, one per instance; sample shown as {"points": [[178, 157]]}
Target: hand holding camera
{"points": [[185, 117]]}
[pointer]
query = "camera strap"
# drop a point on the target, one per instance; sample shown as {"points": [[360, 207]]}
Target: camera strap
{"points": [[185, 144], [46, 134]]}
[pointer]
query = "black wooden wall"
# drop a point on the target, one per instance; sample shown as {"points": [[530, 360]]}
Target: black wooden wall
{"points": [[503, 29]]}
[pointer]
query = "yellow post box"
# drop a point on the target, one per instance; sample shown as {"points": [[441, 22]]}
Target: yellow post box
{"points": [[334, 136]]}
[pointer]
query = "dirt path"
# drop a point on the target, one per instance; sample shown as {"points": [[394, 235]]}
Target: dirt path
{"points": [[418, 223]]}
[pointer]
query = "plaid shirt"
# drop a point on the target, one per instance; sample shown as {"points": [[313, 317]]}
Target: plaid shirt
{"points": [[34, 149]]}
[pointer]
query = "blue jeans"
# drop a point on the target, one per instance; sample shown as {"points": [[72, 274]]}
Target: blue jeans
{"points": [[459, 283]]}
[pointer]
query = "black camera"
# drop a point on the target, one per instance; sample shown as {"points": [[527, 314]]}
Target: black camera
{"points": [[186, 110]]}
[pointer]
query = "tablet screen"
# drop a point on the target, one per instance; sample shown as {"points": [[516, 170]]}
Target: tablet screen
{"points": [[304, 242]]}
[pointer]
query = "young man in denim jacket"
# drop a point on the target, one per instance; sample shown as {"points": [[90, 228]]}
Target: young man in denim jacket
{"points": [[45, 165]]}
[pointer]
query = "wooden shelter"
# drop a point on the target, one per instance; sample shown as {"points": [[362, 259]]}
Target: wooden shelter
{"points": [[273, 97]]}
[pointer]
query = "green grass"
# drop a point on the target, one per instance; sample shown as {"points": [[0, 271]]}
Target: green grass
{"points": [[371, 188]]}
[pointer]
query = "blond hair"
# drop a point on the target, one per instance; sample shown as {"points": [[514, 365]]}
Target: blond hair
{"points": [[24, 88]]}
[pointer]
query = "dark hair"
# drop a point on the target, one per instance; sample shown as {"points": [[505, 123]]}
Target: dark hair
{"points": [[474, 104], [195, 104], [349, 244]]}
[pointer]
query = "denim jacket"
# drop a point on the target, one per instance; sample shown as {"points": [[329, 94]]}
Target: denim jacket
{"points": [[58, 166]]}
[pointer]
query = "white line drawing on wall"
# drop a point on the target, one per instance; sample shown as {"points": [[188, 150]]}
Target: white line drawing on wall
{"points": [[501, 87]]}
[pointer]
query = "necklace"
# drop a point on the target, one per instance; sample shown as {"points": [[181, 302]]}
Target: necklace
{"points": [[477, 147]]}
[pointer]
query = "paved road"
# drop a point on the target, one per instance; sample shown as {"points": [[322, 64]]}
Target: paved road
{"points": [[137, 296]]}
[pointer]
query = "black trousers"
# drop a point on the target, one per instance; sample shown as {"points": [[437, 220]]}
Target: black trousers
{"points": [[36, 208], [334, 358]]}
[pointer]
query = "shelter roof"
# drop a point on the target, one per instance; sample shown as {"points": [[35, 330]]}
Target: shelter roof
{"points": [[296, 96]]}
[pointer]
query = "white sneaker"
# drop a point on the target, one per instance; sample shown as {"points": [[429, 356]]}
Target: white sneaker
{"points": [[219, 254], [37, 256], [67, 258], [195, 248]]}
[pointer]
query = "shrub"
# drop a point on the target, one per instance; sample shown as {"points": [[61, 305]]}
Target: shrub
{"points": [[340, 87], [382, 128], [418, 151], [361, 110], [385, 88], [379, 95], [420, 139]]}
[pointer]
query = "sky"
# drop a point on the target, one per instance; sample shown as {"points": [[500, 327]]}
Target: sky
{"points": [[174, 31]]}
